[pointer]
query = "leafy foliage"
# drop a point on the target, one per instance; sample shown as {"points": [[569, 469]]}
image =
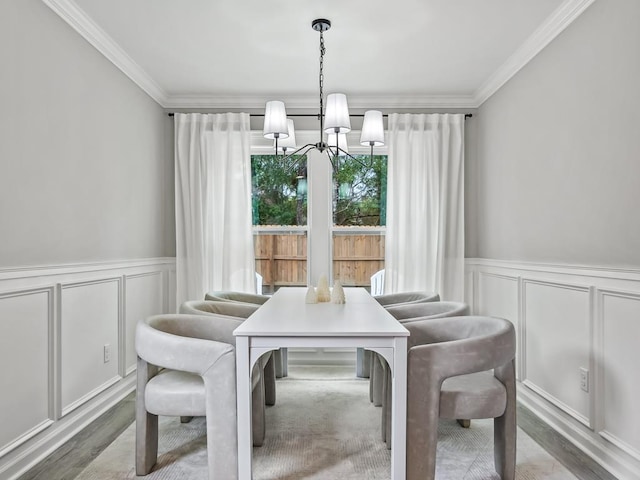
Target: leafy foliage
{"points": [[279, 190], [360, 187], [276, 196]]}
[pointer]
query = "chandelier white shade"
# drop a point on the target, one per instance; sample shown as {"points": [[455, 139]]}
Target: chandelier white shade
{"points": [[334, 120], [337, 114], [288, 143], [275, 120], [372, 129]]}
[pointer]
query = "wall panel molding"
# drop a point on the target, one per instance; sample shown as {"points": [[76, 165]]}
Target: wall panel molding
{"points": [[90, 314], [43, 303], [618, 315], [497, 293], [36, 393], [141, 299], [74, 269], [574, 314]]}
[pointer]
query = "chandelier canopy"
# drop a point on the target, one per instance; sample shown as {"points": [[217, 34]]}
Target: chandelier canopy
{"points": [[334, 119]]}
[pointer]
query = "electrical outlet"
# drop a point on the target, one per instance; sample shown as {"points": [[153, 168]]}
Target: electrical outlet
{"points": [[584, 379], [107, 353]]}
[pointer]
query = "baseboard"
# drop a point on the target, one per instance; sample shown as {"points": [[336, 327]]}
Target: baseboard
{"points": [[25, 457], [599, 451]]}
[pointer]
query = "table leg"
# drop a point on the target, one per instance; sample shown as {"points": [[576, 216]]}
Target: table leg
{"points": [[243, 392], [399, 411]]}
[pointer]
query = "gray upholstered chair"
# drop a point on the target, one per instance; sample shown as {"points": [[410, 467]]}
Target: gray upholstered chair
{"points": [[231, 309], [396, 301], [239, 312], [364, 358], [231, 296], [381, 377], [186, 367], [280, 355], [460, 367], [393, 299], [418, 311]]}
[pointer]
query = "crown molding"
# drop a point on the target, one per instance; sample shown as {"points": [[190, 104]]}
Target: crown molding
{"points": [[92, 33], [311, 102], [541, 37]]}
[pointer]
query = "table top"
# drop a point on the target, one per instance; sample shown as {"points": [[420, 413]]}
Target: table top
{"points": [[287, 314]]}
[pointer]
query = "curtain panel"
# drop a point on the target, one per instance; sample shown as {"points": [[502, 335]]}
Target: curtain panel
{"points": [[214, 239], [425, 205]]}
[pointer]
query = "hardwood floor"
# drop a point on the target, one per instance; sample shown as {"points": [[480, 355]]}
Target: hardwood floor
{"points": [[68, 461], [559, 447]]}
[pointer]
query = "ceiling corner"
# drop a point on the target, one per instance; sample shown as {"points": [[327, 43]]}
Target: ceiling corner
{"points": [[92, 33], [560, 19]]}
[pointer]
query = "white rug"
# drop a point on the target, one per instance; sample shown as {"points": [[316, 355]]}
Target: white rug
{"points": [[323, 427]]}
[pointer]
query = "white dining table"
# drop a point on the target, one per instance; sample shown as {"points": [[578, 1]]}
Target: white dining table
{"points": [[285, 320]]}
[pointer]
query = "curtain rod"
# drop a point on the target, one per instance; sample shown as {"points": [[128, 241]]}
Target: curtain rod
{"points": [[316, 115]]}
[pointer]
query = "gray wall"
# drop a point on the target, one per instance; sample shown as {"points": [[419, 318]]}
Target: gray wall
{"points": [[85, 155], [558, 173]]}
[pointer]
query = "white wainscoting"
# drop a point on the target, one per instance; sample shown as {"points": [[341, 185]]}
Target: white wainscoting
{"points": [[569, 318], [54, 324]]}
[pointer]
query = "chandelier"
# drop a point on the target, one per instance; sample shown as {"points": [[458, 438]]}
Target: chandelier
{"points": [[334, 120]]}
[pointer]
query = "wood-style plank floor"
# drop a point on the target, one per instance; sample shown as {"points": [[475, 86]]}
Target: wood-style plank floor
{"points": [[68, 461]]}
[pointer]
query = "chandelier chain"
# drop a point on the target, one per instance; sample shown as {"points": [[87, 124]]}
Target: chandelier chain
{"points": [[321, 79]]}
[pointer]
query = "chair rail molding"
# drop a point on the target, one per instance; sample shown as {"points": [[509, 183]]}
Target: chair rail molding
{"points": [[572, 320], [77, 322]]}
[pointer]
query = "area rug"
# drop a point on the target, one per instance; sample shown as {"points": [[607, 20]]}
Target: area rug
{"points": [[323, 427]]}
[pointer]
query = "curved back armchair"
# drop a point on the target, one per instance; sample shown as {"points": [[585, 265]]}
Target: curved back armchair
{"points": [[461, 367], [403, 298], [418, 311], [231, 296], [364, 359], [205, 307], [280, 355], [197, 358], [380, 384], [239, 312]]}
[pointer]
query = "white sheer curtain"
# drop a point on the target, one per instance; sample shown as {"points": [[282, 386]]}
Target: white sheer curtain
{"points": [[214, 242], [425, 205]]}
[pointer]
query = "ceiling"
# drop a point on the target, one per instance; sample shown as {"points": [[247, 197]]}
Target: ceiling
{"points": [[418, 53]]}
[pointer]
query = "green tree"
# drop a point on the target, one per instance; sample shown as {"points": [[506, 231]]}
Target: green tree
{"points": [[279, 190], [360, 190]]}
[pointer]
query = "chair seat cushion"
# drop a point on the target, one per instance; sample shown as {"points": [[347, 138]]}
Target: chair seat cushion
{"points": [[171, 391], [477, 395]]}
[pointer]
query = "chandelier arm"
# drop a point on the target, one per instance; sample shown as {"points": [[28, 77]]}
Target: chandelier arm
{"points": [[332, 158], [290, 156], [335, 151]]}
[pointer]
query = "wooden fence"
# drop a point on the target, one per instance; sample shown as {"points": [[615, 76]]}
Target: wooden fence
{"points": [[281, 258], [356, 257]]}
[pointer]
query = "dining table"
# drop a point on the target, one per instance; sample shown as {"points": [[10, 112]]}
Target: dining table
{"points": [[287, 320]]}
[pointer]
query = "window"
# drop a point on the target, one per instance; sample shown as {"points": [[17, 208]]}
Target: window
{"points": [[359, 217], [279, 191], [279, 208], [360, 187]]}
